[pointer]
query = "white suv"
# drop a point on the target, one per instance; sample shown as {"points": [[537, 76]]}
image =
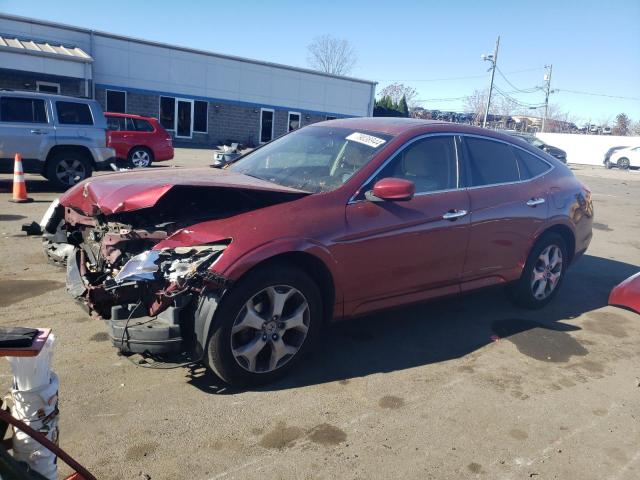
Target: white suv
{"points": [[61, 138]]}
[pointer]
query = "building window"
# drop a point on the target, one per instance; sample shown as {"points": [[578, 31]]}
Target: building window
{"points": [[116, 101], [47, 87], [200, 116], [72, 113], [23, 110], [266, 125], [168, 112], [294, 121]]}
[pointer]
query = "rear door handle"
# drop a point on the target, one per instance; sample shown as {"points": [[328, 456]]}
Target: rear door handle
{"points": [[38, 132], [454, 214], [535, 201]]}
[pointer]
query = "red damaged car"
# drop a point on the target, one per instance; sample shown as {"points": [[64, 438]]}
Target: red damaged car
{"points": [[139, 140], [337, 219]]}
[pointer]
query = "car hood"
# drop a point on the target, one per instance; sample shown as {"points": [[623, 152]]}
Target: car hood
{"points": [[134, 190], [627, 294]]}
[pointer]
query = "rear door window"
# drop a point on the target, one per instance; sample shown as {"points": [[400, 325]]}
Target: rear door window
{"points": [[22, 110], [490, 162], [72, 113], [529, 165]]}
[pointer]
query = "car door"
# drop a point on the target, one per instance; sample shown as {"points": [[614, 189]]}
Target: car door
{"points": [[116, 127], [26, 128], [508, 206], [401, 251]]}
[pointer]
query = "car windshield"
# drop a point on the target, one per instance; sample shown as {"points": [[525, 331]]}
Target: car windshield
{"points": [[313, 159], [533, 141]]}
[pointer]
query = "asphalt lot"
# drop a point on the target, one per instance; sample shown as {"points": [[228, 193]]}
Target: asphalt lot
{"points": [[469, 387]]}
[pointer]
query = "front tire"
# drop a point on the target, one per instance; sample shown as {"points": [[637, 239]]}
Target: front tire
{"points": [[264, 325], [543, 273]]}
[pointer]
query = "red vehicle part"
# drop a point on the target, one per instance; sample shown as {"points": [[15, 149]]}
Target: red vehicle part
{"points": [[128, 133], [627, 294]]}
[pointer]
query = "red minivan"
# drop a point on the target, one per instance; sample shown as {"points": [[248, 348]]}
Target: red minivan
{"points": [[140, 140]]}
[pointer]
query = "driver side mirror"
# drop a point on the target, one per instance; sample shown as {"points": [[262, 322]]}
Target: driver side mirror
{"points": [[391, 189]]}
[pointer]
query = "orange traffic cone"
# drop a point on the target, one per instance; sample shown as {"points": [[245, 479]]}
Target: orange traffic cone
{"points": [[19, 187]]}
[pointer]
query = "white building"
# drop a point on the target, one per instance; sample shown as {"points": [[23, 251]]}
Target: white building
{"points": [[201, 97]]}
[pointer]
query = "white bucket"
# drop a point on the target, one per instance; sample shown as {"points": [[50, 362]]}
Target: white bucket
{"points": [[35, 402]]}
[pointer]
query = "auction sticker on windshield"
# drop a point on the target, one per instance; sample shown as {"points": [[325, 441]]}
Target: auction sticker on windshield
{"points": [[368, 140]]}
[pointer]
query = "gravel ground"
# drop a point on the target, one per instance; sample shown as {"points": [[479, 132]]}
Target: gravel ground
{"points": [[469, 387]]}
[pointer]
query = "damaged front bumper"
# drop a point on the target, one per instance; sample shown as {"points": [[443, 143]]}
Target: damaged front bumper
{"points": [[148, 304]]}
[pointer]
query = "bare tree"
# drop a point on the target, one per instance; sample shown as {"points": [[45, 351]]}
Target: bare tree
{"points": [[331, 55], [396, 91], [476, 103]]}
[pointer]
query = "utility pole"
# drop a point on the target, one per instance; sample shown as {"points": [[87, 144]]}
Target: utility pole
{"points": [[547, 79], [493, 59]]}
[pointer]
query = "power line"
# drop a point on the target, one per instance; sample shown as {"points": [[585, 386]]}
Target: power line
{"points": [[468, 77], [595, 94], [521, 90]]}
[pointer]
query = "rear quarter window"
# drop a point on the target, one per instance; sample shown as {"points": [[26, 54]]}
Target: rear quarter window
{"points": [[72, 113], [530, 165], [138, 125]]}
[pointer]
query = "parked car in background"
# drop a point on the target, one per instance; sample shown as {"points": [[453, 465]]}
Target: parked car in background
{"points": [[536, 142], [607, 156], [606, 130], [61, 138], [625, 158], [140, 140], [244, 265]]}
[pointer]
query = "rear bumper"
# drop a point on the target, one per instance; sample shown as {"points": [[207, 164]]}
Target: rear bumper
{"points": [[103, 155], [163, 154]]}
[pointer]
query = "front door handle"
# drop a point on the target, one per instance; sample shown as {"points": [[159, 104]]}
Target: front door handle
{"points": [[38, 132], [454, 214], [535, 201]]}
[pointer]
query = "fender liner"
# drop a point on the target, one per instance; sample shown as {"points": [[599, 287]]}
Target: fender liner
{"points": [[203, 321]]}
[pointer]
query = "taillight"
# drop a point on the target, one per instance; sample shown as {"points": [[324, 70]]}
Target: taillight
{"points": [[108, 138]]}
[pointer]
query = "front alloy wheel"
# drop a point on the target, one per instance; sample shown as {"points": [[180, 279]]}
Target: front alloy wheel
{"points": [[270, 329], [263, 324]]}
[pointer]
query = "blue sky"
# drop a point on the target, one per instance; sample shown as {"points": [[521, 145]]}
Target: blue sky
{"points": [[594, 46]]}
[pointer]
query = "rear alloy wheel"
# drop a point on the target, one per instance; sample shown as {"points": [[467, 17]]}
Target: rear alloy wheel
{"points": [[264, 325], [542, 274], [140, 157], [64, 170], [623, 163]]}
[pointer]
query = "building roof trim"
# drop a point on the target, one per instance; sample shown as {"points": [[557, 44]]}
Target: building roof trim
{"points": [[19, 18], [43, 48]]}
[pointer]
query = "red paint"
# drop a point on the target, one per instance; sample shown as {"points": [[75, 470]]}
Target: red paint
{"points": [[379, 254], [627, 294], [158, 141], [397, 189]]}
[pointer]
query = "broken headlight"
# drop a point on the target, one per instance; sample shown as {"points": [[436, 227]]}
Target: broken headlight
{"points": [[174, 265]]}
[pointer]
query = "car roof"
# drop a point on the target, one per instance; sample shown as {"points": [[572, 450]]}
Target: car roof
{"points": [[127, 115], [412, 126], [28, 93]]}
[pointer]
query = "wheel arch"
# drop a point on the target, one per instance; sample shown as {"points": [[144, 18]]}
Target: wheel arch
{"points": [[78, 149], [566, 233], [145, 147]]}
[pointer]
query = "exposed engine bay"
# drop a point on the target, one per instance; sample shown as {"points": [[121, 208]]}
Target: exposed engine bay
{"points": [[114, 271]]}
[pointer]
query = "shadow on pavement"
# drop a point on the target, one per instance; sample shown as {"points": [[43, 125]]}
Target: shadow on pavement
{"points": [[442, 330]]}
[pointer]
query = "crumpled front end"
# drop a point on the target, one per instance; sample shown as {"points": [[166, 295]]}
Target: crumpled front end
{"points": [[144, 294]]}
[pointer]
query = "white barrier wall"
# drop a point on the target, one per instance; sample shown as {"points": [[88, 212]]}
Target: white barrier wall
{"points": [[586, 149]]}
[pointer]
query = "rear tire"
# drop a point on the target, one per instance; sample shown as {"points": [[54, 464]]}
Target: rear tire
{"points": [[543, 273], [624, 163], [65, 169], [141, 157], [250, 333]]}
